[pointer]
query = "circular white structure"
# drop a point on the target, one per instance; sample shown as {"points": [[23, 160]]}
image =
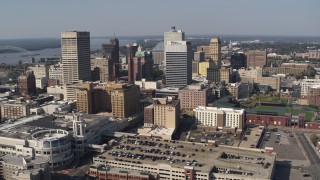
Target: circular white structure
{"points": [[54, 143]]}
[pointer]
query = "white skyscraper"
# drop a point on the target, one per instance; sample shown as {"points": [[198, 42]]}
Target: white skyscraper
{"points": [[172, 35], [178, 57], [75, 51]]}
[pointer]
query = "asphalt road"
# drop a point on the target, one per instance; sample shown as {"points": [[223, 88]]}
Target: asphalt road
{"points": [[311, 154]]}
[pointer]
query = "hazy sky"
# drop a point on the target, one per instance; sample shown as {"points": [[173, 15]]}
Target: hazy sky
{"points": [[47, 18]]}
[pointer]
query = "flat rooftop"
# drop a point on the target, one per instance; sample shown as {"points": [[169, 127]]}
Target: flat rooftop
{"points": [[202, 157], [252, 136], [18, 159]]}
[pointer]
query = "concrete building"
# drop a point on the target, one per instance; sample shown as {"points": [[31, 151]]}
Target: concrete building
{"points": [[167, 92], [256, 58], [238, 60], [195, 68], [240, 90], [27, 84], [105, 67], [274, 82], [17, 167], [125, 100], [174, 35], [41, 83], [144, 84], [39, 71], [314, 96], [225, 74], [183, 162], [166, 112], [85, 100], [255, 76], [195, 95], [148, 116], [199, 56], [288, 69], [75, 54], [212, 51], [219, 117], [63, 138], [215, 51], [134, 64], [13, 111], [203, 66], [146, 59], [56, 72], [306, 84], [158, 54], [111, 53], [103, 172], [213, 73], [178, 56]]}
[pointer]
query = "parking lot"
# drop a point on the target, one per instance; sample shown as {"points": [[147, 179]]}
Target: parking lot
{"points": [[291, 162], [220, 138], [285, 146]]}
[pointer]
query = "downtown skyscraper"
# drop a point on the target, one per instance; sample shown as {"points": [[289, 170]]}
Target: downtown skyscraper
{"points": [[178, 59], [75, 52]]}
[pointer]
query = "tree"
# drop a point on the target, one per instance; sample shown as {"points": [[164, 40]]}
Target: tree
{"points": [[314, 139]]}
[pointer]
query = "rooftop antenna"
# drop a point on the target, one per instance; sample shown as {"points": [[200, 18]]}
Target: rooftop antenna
{"points": [[114, 34]]}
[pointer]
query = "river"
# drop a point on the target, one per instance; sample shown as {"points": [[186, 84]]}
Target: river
{"points": [[14, 58]]}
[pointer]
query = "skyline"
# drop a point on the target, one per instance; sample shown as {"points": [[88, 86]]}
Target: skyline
{"points": [[47, 19]]}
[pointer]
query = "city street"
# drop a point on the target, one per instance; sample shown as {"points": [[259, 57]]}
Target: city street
{"points": [[311, 154]]}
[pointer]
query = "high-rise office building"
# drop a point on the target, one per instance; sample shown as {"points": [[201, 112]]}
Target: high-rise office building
{"points": [[256, 58], [75, 52], [212, 51], [146, 63], [178, 58], [132, 62], [173, 35], [111, 53], [215, 51], [213, 72], [238, 60], [27, 84]]}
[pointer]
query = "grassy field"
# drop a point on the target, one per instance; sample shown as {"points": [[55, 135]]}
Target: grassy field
{"points": [[282, 110], [308, 114]]}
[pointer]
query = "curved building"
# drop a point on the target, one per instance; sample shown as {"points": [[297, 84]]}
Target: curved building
{"points": [[54, 143]]}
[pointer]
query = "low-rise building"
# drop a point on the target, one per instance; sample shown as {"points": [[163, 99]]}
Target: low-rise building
{"points": [[219, 117], [41, 83], [56, 72], [148, 84], [314, 96], [39, 71], [13, 167], [11, 111], [165, 159], [167, 112], [195, 95], [240, 90]]}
